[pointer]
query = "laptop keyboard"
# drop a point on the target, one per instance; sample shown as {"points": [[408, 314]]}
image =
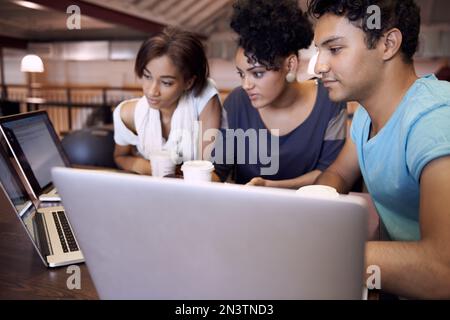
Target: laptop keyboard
{"points": [[65, 234], [42, 239]]}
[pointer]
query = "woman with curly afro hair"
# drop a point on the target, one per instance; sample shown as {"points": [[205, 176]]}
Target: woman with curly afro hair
{"points": [[296, 121]]}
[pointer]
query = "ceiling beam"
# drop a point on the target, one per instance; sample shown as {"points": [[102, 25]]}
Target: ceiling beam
{"points": [[213, 10], [147, 14], [104, 14], [175, 12], [14, 30], [8, 42], [164, 6], [193, 11], [210, 20], [149, 5]]}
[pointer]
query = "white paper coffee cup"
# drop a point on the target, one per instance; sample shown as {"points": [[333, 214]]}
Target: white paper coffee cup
{"points": [[162, 164], [197, 170], [319, 191]]}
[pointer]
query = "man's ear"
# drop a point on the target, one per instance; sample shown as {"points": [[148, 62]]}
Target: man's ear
{"points": [[392, 43]]}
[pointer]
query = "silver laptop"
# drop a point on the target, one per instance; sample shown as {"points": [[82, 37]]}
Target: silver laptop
{"points": [[48, 228], [156, 238], [36, 149]]}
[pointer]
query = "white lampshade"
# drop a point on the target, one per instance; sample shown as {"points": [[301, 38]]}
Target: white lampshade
{"points": [[31, 63]]}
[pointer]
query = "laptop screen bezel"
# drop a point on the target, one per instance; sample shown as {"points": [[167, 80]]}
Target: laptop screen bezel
{"points": [[19, 154], [28, 208], [24, 198], [31, 209]]}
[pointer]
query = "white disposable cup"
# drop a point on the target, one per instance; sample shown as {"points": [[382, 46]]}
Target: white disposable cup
{"points": [[162, 164], [318, 191], [197, 170]]}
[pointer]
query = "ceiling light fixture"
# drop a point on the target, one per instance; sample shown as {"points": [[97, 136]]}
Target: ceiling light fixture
{"points": [[29, 5]]}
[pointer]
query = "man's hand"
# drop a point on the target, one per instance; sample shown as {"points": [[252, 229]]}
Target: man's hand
{"points": [[344, 172], [295, 183]]}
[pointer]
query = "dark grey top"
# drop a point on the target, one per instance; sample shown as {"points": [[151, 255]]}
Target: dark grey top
{"points": [[313, 145]]}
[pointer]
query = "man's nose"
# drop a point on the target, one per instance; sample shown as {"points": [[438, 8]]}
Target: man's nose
{"points": [[322, 66]]}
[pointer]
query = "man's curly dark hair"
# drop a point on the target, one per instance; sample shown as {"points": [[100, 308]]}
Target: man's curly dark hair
{"points": [[270, 30], [401, 14]]}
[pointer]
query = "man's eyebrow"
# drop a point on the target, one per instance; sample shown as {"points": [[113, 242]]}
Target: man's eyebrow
{"points": [[332, 39]]}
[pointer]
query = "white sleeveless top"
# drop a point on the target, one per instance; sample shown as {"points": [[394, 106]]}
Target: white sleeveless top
{"points": [[183, 138]]}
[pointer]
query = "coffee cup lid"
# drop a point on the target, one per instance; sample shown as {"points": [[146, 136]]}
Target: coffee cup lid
{"points": [[197, 165], [319, 191]]}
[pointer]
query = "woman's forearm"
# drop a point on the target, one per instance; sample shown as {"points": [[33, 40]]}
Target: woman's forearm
{"points": [[134, 164]]}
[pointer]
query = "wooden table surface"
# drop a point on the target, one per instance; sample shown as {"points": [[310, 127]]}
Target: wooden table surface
{"points": [[24, 276]]}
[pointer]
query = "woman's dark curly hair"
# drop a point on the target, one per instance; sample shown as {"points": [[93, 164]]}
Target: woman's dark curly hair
{"points": [[401, 14], [270, 30]]}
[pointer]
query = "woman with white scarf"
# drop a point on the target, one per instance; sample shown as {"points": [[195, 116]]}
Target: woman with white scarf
{"points": [[178, 96]]}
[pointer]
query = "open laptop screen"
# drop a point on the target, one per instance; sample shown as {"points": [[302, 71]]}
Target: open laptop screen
{"points": [[15, 191], [10, 181], [36, 146]]}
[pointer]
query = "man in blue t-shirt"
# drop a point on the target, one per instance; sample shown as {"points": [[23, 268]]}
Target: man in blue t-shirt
{"points": [[400, 137]]}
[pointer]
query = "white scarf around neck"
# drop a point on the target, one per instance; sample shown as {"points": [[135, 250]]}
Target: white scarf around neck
{"points": [[182, 143]]}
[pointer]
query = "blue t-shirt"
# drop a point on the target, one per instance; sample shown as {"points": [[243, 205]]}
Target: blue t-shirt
{"points": [[313, 145], [392, 161]]}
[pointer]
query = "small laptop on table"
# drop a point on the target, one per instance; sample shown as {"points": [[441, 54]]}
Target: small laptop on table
{"points": [[48, 228], [36, 149], [159, 238]]}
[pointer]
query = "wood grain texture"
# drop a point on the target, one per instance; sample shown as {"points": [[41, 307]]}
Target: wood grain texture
{"points": [[24, 276]]}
